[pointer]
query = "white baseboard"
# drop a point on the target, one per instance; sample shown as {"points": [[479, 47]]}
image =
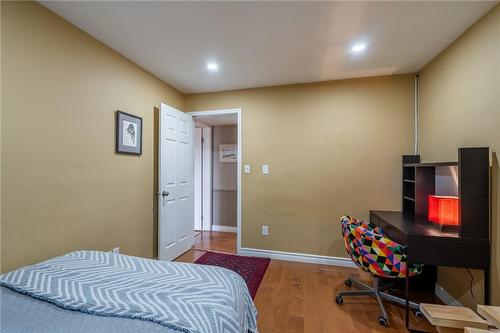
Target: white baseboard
{"points": [[224, 228], [207, 228], [443, 295], [298, 257]]}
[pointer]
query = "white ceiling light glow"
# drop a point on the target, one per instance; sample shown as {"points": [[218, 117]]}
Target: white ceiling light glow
{"points": [[358, 48], [212, 66]]}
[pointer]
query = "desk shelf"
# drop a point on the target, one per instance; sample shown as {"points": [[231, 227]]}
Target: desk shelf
{"points": [[432, 164], [419, 180], [409, 169]]}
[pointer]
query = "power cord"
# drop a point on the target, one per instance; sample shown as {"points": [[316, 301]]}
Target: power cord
{"points": [[470, 286]]}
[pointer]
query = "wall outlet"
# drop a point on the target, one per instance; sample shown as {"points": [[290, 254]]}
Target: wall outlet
{"points": [[247, 168], [115, 250], [265, 230]]}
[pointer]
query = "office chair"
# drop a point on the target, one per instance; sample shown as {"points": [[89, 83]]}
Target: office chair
{"points": [[378, 255]]}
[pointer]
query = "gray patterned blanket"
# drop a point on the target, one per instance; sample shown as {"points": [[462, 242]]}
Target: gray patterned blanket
{"points": [[185, 297]]}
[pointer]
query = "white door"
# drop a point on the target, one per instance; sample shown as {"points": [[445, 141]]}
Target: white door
{"points": [[176, 186]]}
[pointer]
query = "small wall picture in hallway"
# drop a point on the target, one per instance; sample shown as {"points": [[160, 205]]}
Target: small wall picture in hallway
{"points": [[228, 153], [128, 134]]}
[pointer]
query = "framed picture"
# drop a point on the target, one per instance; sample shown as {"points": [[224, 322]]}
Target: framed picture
{"points": [[128, 134], [228, 153]]}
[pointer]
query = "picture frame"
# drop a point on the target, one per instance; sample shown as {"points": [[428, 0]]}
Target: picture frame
{"points": [[228, 153], [128, 134]]}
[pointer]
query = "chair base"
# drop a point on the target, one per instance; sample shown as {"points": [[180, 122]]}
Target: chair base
{"points": [[377, 292]]}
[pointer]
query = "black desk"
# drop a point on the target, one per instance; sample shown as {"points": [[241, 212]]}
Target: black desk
{"points": [[428, 245], [425, 244]]}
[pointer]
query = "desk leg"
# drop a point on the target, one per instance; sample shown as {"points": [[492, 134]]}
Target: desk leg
{"points": [[407, 297], [487, 299]]}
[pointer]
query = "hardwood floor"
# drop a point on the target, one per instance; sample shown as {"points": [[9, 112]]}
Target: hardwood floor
{"points": [[216, 241], [211, 241], [298, 297]]}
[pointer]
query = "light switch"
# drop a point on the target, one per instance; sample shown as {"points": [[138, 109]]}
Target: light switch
{"points": [[247, 168], [265, 230], [265, 169]]}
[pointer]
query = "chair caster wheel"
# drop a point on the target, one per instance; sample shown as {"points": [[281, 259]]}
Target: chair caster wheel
{"points": [[348, 283], [419, 314], [382, 321], [339, 300]]}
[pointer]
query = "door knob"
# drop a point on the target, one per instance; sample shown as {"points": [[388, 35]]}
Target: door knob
{"points": [[163, 194]]}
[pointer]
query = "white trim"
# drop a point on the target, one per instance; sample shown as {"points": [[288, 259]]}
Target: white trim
{"points": [[214, 112], [239, 193], [205, 151], [443, 295], [239, 166], [299, 257], [224, 228]]}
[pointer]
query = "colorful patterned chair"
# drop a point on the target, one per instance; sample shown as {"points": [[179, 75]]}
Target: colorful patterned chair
{"points": [[378, 255]]}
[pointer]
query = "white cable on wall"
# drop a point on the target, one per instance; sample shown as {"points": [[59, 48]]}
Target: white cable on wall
{"points": [[415, 113]]}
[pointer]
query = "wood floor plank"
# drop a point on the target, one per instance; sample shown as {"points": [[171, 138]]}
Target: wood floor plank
{"points": [[299, 297]]}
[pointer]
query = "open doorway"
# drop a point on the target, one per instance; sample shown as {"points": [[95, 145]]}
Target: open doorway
{"points": [[217, 196]]}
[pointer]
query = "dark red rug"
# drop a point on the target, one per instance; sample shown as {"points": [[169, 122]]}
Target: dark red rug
{"points": [[251, 269]]}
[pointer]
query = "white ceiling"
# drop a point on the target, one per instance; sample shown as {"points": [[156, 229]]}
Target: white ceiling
{"points": [[216, 120], [271, 43]]}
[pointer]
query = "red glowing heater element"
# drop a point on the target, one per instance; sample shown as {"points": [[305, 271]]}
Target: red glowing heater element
{"points": [[443, 210]]}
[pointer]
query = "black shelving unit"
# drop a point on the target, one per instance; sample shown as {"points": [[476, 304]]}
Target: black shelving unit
{"points": [[465, 246], [409, 182], [419, 181]]}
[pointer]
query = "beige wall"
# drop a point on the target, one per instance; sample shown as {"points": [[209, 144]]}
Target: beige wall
{"points": [[225, 199], [224, 174], [333, 149], [63, 187], [460, 107]]}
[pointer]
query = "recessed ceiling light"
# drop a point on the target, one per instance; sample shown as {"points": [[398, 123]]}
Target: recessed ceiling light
{"points": [[212, 66], [357, 48]]}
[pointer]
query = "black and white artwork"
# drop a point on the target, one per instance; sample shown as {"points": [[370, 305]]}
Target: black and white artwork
{"points": [[228, 153], [128, 133]]}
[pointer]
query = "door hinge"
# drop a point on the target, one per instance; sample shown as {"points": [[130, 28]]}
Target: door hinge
{"points": [[202, 217], [202, 140]]}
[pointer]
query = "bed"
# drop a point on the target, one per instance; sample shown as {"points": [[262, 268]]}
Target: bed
{"points": [[92, 291]]}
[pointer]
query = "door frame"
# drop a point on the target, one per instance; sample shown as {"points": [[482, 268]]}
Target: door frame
{"points": [[236, 111], [206, 176]]}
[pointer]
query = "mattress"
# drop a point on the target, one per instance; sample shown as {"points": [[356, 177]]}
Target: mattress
{"points": [[23, 314]]}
